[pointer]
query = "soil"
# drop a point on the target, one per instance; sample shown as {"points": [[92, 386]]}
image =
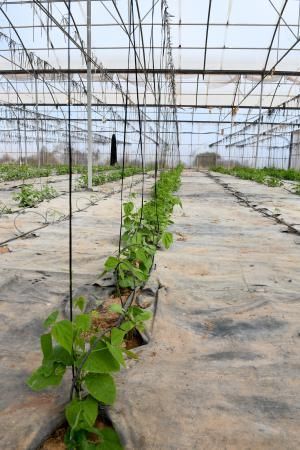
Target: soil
{"points": [[106, 318], [134, 341], [56, 441]]}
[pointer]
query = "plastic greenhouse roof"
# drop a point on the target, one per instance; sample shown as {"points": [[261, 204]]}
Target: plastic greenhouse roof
{"points": [[232, 42]]}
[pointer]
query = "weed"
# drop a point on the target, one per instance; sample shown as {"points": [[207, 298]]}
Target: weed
{"points": [[272, 181], [297, 189], [4, 209]]}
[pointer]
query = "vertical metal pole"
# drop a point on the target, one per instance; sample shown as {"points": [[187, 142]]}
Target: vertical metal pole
{"points": [[259, 120], [269, 154], [19, 142], [89, 97], [291, 150], [230, 142], [179, 46], [243, 154], [25, 136], [37, 123]]}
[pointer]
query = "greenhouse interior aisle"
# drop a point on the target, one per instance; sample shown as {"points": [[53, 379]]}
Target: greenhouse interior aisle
{"points": [[222, 369]]}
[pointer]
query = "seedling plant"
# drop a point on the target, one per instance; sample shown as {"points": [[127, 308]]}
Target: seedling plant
{"points": [[93, 357], [29, 196]]}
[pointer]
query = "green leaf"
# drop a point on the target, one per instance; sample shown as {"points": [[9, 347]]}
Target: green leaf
{"points": [[126, 265], [51, 319], [101, 387], [90, 410], [127, 326], [139, 314], [40, 379], [127, 224], [80, 303], [130, 354], [142, 256], [111, 263], [167, 239], [63, 334], [128, 208], [82, 414], [117, 336], [140, 327], [116, 353], [116, 308], [127, 282], [83, 322], [101, 361], [137, 238], [144, 315], [46, 345], [78, 440], [48, 367], [60, 355], [110, 441], [73, 412], [139, 274]]}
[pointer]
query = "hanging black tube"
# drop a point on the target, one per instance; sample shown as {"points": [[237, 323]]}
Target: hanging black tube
{"points": [[113, 151]]}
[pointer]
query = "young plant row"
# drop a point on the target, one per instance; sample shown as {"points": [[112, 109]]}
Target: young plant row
{"points": [[144, 230], [11, 172], [269, 176], [29, 196], [114, 175], [94, 354]]}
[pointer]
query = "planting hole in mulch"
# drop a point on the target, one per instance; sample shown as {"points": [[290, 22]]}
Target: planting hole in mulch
{"points": [[56, 440], [104, 318]]}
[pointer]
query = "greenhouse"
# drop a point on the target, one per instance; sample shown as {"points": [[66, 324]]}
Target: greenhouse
{"points": [[150, 224]]}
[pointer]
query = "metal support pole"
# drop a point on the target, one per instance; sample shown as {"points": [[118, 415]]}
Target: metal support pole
{"points": [[37, 123], [291, 150], [25, 137], [89, 97], [243, 155], [259, 120], [269, 153], [230, 143]]}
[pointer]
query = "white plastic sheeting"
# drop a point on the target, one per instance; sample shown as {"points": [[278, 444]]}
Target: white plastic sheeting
{"points": [[239, 34]]}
